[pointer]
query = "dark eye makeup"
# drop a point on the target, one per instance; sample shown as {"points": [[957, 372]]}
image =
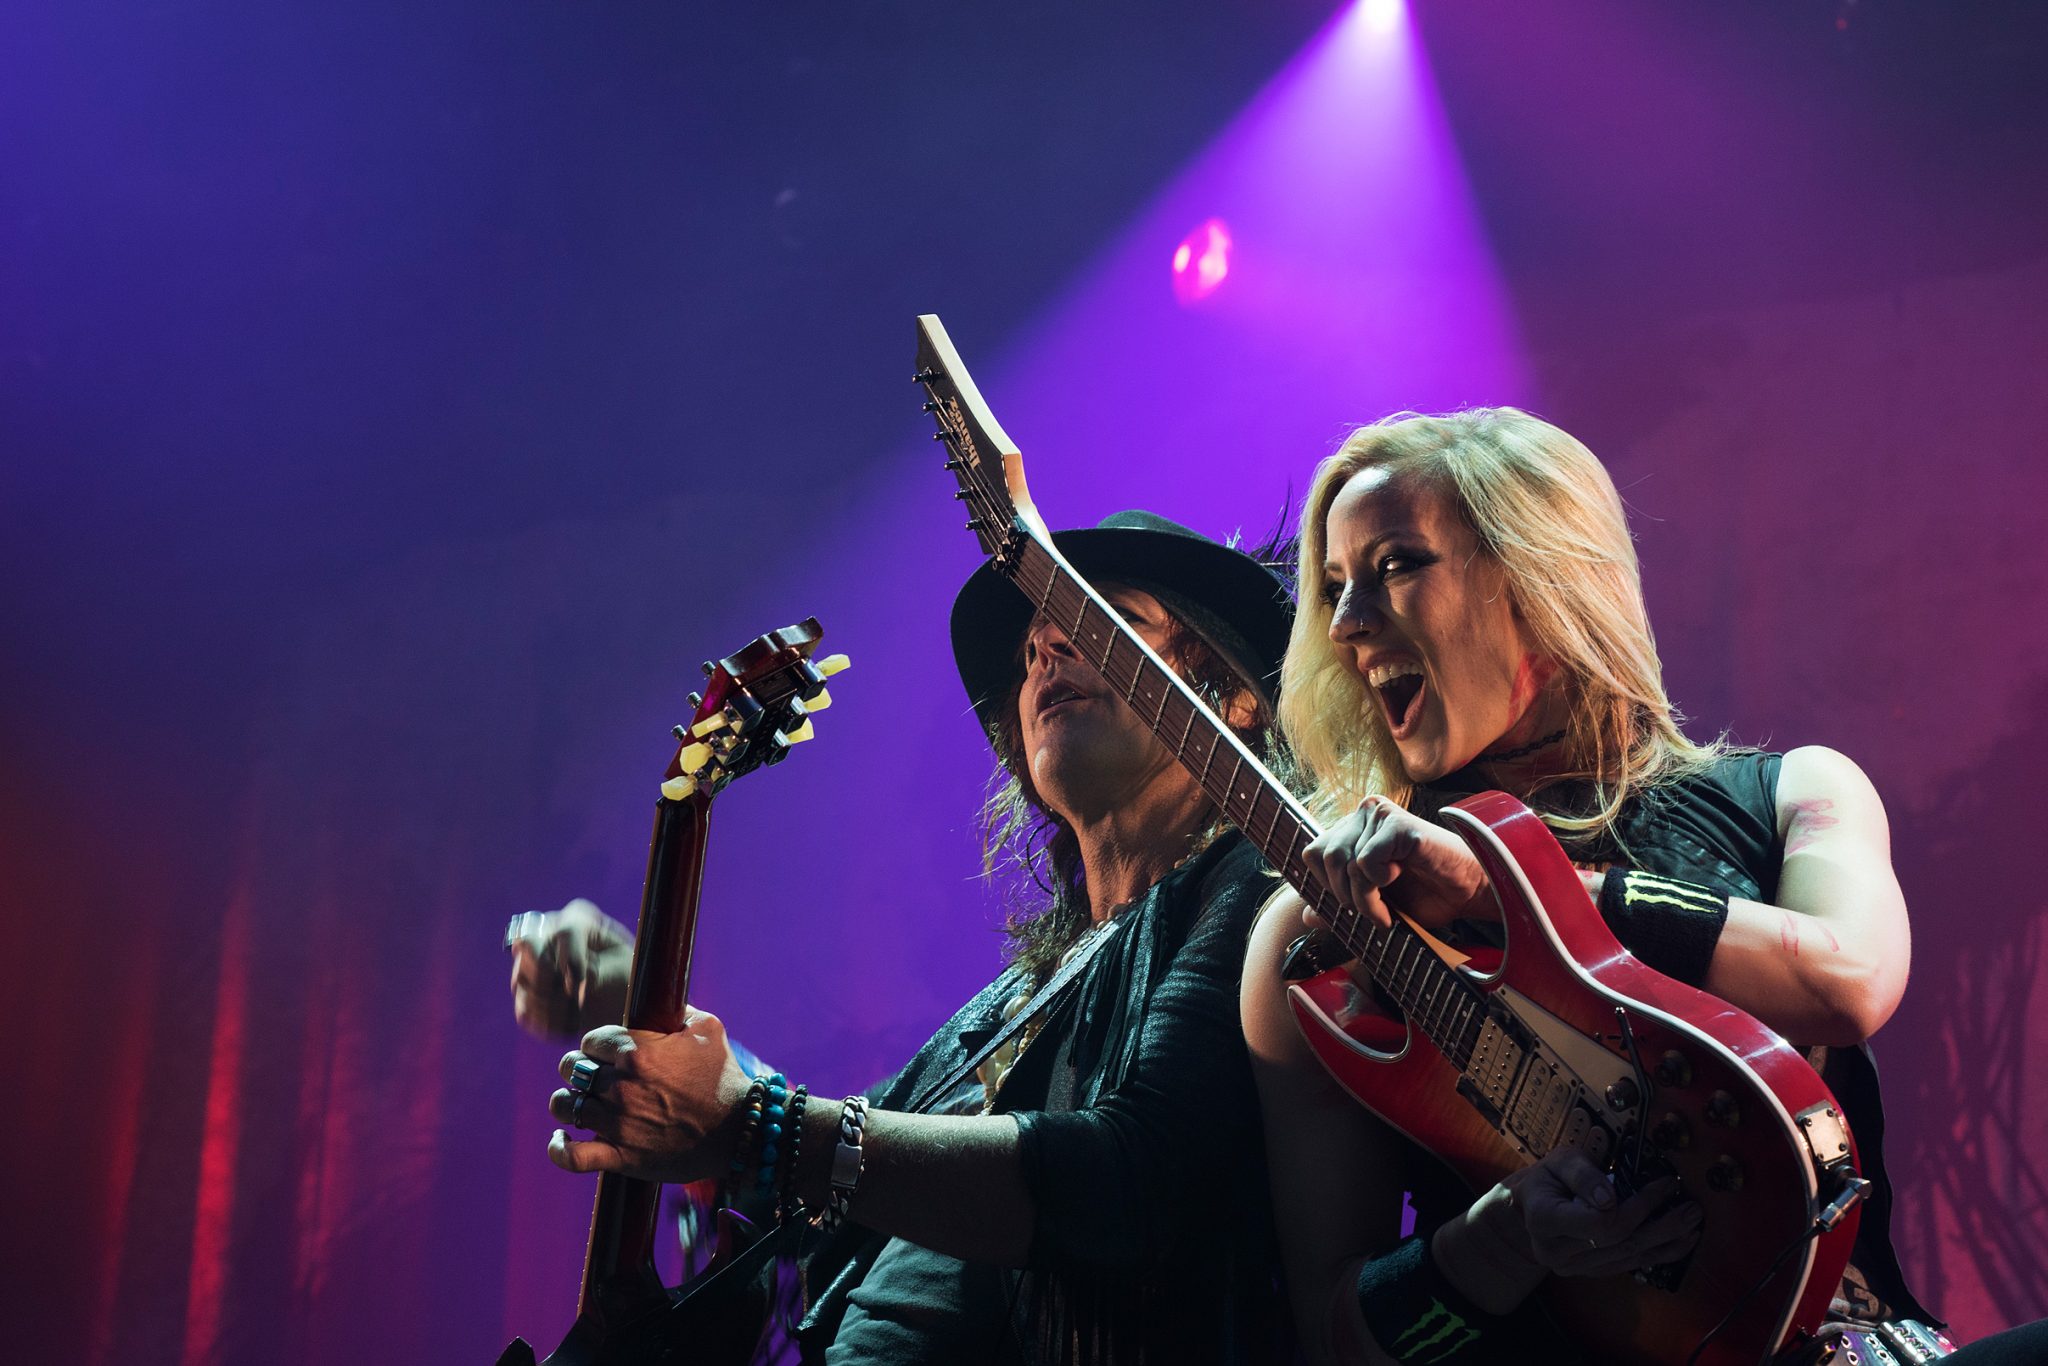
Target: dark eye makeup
{"points": [[1391, 565]]}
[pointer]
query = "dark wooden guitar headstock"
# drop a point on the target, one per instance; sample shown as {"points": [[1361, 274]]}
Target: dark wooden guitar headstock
{"points": [[757, 703]]}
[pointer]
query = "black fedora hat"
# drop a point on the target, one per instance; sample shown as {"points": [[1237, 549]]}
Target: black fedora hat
{"points": [[1239, 606]]}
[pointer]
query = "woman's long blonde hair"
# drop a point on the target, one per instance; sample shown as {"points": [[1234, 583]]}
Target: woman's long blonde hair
{"points": [[1543, 508]]}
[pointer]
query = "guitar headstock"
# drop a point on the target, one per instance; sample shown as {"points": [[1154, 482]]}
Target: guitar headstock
{"points": [[979, 454], [756, 705]]}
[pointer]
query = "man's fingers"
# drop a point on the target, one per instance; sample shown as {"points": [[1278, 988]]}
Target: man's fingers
{"points": [[596, 1114], [1666, 1240], [609, 1043], [584, 1155], [1584, 1179]]}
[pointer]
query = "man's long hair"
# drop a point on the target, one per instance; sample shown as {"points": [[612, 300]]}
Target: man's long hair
{"points": [[1546, 513], [1039, 853]]}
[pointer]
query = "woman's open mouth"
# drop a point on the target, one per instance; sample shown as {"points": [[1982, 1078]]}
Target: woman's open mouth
{"points": [[1399, 688]]}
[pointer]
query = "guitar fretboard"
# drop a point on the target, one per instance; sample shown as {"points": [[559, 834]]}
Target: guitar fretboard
{"points": [[1250, 797]]}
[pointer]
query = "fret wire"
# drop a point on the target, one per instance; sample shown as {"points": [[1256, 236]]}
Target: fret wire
{"points": [[1400, 970], [1442, 1000], [1052, 581], [1108, 635], [1418, 976], [1146, 672], [1437, 988], [1236, 773], [1187, 729], [1264, 840]]}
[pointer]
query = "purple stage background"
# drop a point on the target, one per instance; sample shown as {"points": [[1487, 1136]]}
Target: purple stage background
{"points": [[396, 403]]}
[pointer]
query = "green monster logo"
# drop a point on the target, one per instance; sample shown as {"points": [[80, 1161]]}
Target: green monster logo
{"points": [[1647, 889], [1425, 1336]]}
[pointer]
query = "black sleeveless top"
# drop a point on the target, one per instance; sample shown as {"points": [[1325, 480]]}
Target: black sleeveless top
{"points": [[1720, 829]]}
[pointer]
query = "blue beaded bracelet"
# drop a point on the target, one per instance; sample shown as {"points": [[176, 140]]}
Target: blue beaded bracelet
{"points": [[773, 1112]]}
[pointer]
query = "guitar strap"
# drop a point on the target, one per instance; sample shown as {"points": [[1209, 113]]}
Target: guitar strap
{"points": [[1047, 998]]}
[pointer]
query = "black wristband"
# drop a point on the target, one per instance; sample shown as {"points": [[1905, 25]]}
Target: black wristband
{"points": [[1416, 1315], [1671, 925]]}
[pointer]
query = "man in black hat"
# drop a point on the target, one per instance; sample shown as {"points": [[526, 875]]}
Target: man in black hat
{"points": [[1069, 1170]]}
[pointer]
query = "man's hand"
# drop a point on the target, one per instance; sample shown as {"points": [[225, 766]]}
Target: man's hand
{"points": [[1383, 857], [1560, 1217], [663, 1107], [570, 970]]}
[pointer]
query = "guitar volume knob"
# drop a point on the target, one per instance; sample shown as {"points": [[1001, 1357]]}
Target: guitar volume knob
{"points": [[1674, 1069], [1725, 1174], [1672, 1133], [1723, 1110]]}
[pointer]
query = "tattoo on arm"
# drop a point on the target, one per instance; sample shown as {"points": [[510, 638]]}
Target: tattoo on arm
{"points": [[1810, 816]]}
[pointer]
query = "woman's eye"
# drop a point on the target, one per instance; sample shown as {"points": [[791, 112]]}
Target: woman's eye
{"points": [[1391, 565], [1332, 590]]}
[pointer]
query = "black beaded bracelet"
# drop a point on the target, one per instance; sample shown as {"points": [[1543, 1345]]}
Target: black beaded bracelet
{"points": [[790, 1205], [753, 1104], [1671, 925]]}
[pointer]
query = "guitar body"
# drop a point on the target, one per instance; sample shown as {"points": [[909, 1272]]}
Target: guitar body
{"points": [[715, 1320], [1731, 1109]]}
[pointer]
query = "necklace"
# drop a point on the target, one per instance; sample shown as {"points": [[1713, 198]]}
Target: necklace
{"points": [[1520, 751]]}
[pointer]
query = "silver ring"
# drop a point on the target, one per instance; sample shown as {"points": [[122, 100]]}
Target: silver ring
{"points": [[576, 1110], [583, 1076]]}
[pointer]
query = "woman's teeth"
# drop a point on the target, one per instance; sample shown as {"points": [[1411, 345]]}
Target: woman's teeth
{"points": [[1399, 687]]}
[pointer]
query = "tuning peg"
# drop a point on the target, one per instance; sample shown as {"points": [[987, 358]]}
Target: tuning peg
{"points": [[693, 756], [799, 734], [675, 789], [832, 664], [713, 722], [820, 702], [924, 377]]}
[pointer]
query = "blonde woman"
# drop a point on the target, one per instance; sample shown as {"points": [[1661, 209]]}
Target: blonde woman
{"points": [[1471, 618]]}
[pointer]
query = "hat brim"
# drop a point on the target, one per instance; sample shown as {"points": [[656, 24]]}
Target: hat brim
{"points": [[990, 614]]}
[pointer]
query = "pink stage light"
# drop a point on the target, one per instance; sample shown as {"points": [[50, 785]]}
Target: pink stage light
{"points": [[1201, 262], [1382, 16]]}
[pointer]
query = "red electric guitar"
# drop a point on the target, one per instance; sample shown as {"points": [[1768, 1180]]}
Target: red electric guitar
{"points": [[1567, 1041], [755, 705]]}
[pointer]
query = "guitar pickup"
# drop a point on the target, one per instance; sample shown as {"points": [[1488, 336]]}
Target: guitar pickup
{"points": [[1488, 1111]]}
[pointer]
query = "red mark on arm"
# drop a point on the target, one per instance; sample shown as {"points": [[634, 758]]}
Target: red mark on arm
{"points": [[1810, 816], [1788, 935]]}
